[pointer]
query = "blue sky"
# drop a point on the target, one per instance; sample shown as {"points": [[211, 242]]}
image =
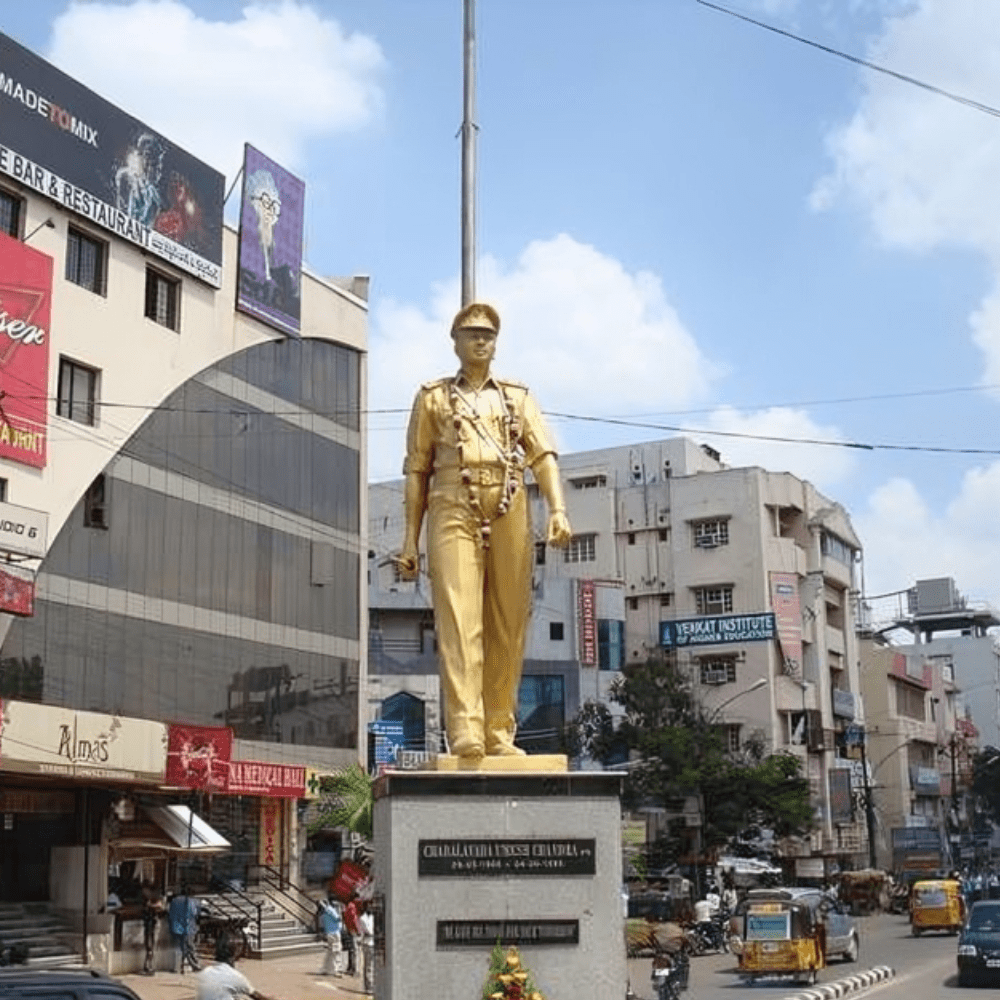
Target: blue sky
{"points": [[684, 219]]}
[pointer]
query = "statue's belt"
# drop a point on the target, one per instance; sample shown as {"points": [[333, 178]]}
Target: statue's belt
{"points": [[484, 475]]}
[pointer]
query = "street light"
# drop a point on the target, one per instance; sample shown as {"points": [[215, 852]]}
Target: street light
{"points": [[756, 686]]}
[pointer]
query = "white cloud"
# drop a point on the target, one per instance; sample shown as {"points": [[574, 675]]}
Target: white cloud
{"points": [[588, 336], [276, 77], [897, 524], [823, 465], [923, 167]]}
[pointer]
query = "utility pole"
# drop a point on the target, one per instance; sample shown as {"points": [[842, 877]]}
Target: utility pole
{"points": [[869, 805], [469, 155]]}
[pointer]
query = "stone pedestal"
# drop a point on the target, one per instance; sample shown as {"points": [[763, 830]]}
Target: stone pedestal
{"points": [[465, 858]]}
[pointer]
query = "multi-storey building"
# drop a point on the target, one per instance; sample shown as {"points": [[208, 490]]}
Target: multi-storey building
{"points": [[743, 577], [182, 511], [929, 702]]}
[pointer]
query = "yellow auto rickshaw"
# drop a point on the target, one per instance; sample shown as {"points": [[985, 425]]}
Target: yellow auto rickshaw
{"points": [[783, 933], [936, 905]]}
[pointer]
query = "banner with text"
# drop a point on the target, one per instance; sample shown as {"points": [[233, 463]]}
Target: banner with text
{"points": [[587, 622], [64, 141], [717, 630], [279, 781], [788, 619], [25, 304], [198, 757]]}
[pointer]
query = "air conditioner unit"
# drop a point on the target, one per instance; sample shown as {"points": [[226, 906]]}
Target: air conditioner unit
{"points": [[706, 542], [714, 677]]}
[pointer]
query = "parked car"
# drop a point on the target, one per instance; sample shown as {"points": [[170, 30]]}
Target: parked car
{"points": [[26, 983], [979, 943]]}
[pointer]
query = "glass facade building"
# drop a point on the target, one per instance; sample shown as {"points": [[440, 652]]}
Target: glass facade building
{"points": [[210, 573]]}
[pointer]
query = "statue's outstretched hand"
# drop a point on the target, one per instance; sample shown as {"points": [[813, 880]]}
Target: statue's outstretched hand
{"points": [[559, 532]]}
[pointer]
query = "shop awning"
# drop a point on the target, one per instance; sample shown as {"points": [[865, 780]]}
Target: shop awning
{"points": [[170, 829]]}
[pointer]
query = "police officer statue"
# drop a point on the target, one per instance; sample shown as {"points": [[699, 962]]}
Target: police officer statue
{"points": [[469, 441]]}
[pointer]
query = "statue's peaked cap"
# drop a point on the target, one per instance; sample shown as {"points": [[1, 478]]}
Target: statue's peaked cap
{"points": [[476, 316]]}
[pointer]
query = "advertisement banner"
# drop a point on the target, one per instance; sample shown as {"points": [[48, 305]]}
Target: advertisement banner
{"points": [[271, 223], [17, 590], [23, 531], [716, 630], [788, 618], [587, 619], [279, 781], [270, 833], [44, 739], [841, 799], [198, 757], [62, 140], [25, 304]]}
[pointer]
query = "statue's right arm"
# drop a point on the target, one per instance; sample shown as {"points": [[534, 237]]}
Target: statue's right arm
{"points": [[415, 503]]}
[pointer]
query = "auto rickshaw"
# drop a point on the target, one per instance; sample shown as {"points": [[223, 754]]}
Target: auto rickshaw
{"points": [[936, 905], [784, 935]]}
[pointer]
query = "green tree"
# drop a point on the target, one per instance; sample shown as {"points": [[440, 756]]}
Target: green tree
{"points": [[679, 751], [986, 783], [347, 800]]}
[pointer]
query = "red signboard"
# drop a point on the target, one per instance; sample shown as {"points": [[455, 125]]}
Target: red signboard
{"points": [[251, 777], [788, 619], [17, 593], [25, 305], [587, 615], [198, 757]]}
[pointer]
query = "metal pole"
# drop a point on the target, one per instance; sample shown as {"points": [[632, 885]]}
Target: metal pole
{"points": [[86, 873], [469, 156], [869, 806]]}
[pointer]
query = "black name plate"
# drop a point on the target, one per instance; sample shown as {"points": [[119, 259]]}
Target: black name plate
{"points": [[486, 933], [467, 858]]}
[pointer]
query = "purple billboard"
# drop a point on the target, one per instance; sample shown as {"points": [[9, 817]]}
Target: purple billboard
{"points": [[63, 141], [270, 243]]}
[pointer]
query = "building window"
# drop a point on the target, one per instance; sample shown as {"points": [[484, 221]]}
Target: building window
{"points": [[588, 482], [556, 631], [631, 538], [540, 553], [10, 214], [713, 600], [832, 546], [710, 534], [581, 548], [911, 702], [732, 738], [163, 296], [77, 392], [721, 670], [664, 534], [3, 490], [86, 261], [633, 604], [95, 504], [610, 644], [666, 600]]}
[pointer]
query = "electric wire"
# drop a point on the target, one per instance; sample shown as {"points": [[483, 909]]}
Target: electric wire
{"points": [[867, 63]]}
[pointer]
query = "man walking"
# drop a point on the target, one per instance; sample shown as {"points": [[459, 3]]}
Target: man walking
{"points": [[183, 916], [331, 925]]}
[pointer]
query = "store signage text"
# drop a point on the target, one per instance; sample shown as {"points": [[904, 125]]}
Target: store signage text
{"points": [[717, 630]]}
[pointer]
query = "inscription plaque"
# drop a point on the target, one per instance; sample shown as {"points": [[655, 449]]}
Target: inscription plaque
{"points": [[486, 933], [531, 856]]}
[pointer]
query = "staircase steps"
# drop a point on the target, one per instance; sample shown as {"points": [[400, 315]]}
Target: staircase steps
{"points": [[281, 934], [49, 939]]}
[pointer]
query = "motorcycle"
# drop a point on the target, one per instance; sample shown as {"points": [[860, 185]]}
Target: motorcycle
{"points": [[670, 975], [710, 935]]}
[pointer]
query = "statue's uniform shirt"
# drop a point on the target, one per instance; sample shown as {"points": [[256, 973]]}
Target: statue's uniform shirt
{"points": [[482, 596]]}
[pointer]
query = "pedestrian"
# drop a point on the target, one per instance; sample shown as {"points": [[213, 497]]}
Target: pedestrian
{"points": [[183, 914], [470, 439], [351, 935], [331, 924], [367, 922], [152, 910], [221, 981]]}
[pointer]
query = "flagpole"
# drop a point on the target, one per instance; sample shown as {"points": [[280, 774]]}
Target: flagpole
{"points": [[469, 155]]}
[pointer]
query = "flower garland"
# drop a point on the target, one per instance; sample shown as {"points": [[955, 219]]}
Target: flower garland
{"points": [[508, 979], [507, 449]]}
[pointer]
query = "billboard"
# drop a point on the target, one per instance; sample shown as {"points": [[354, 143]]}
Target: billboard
{"points": [[788, 616], [198, 756], [25, 305], [587, 622], [271, 220], [71, 146], [17, 590]]}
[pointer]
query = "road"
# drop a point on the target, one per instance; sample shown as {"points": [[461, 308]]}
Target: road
{"points": [[925, 968]]}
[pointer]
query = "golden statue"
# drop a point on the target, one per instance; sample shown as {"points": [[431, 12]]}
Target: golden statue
{"points": [[469, 441]]}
